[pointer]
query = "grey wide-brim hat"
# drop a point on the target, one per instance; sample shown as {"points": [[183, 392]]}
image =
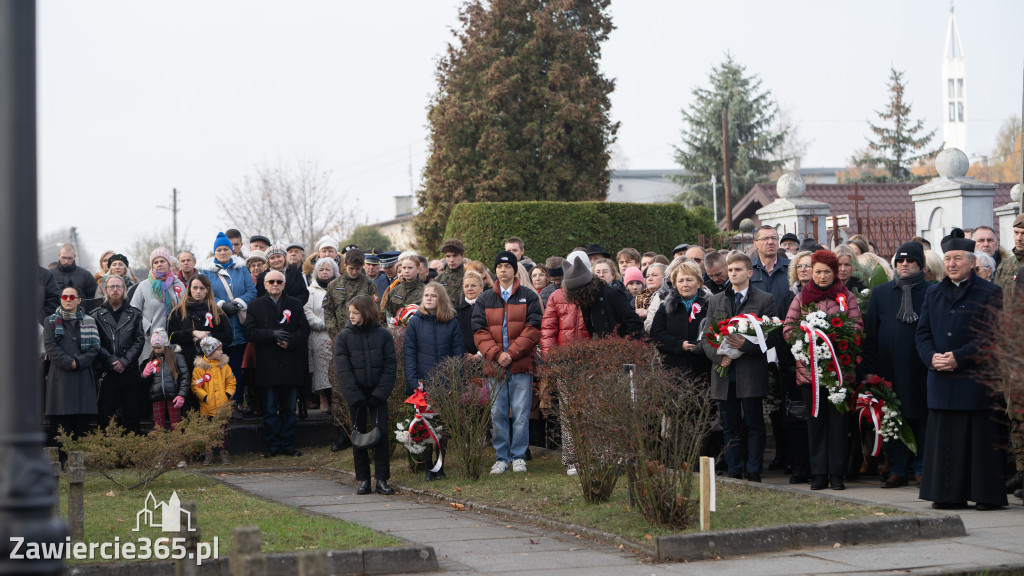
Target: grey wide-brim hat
{"points": [[577, 273]]}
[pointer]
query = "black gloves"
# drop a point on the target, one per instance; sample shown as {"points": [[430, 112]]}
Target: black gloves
{"points": [[373, 401], [281, 336], [229, 308]]}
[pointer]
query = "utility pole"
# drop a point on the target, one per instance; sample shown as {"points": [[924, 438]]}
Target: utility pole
{"points": [[174, 217], [714, 196], [1020, 139], [725, 165], [27, 485]]}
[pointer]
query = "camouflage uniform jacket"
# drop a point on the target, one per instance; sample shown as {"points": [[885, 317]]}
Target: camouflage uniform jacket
{"points": [[403, 294], [451, 279], [340, 292], [1006, 274]]}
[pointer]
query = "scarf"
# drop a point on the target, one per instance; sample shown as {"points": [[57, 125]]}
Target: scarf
{"points": [[323, 283], [906, 313], [470, 302], [812, 293], [89, 333], [161, 283]]}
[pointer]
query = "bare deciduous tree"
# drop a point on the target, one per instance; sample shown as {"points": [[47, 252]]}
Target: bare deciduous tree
{"points": [[289, 203]]}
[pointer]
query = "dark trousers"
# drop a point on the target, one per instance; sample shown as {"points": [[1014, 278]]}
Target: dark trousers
{"points": [[364, 418], [279, 416], [235, 353], [742, 417], [76, 425], [901, 460], [826, 436], [121, 396]]}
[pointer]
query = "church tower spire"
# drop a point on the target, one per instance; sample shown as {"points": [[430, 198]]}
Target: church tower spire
{"points": [[954, 88]]}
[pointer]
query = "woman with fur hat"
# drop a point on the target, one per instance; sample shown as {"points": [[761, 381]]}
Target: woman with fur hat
{"points": [[826, 434], [321, 345], [157, 295], [165, 373], [214, 384]]}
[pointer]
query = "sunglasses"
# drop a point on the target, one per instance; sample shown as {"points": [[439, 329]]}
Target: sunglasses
{"points": [[68, 297], [902, 260], [273, 281]]}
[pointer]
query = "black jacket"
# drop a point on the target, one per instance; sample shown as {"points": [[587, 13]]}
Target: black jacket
{"points": [[49, 294], [295, 284], [614, 313], [428, 343], [180, 330], [161, 385], [465, 311], [672, 326], [274, 365], [365, 362], [78, 277], [122, 340], [890, 347]]}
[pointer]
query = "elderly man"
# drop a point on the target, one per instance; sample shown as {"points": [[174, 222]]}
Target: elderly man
{"points": [[259, 242], [450, 276], [771, 269], [790, 243], [277, 325], [187, 262], [890, 352], [121, 341], [409, 290], [985, 240], [68, 273], [958, 317], [696, 253]]}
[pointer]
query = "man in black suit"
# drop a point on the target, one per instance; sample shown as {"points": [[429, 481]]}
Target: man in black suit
{"points": [[741, 393], [277, 325]]}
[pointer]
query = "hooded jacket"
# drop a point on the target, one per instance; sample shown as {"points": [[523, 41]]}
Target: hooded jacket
{"points": [[239, 280], [215, 393]]}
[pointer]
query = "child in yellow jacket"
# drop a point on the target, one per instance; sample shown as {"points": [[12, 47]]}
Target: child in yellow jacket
{"points": [[213, 384]]}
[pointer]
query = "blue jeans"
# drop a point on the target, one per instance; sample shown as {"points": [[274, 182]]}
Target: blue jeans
{"points": [[742, 417], [516, 395], [279, 416], [901, 460]]}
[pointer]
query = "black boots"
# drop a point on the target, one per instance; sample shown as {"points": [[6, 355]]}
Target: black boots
{"points": [[342, 443], [383, 488], [364, 488]]}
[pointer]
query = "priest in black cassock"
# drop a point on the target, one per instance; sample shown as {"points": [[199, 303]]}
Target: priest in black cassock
{"points": [[962, 459]]}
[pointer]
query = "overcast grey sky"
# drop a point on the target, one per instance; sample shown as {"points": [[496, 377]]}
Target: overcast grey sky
{"points": [[137, 98]]}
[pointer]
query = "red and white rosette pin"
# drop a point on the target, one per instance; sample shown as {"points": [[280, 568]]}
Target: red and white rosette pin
{"points": [[203, 381], [286, 317], [841, 299], [209, 319], [694, 310], [154, 366], [177, 290]]}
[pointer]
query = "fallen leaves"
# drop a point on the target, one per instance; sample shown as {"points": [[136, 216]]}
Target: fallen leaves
{"points": [[111, 493], [458, 506], [648, 537]]}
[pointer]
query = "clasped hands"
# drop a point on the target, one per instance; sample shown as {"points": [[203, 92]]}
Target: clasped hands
{"points": [[945, 362]]}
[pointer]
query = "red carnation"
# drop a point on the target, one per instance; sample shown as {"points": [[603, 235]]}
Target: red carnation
{"points": [[856, 339], [842, 344], [844, 360], [837, 322]]}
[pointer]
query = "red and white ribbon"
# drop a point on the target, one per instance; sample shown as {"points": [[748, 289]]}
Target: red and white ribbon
{"points": [[287, 316], [209, 319], [870, 407], [154, 366], [694, 310], [202, 381], [424, 415], [813, 334], [177, 290], [841, 299]]}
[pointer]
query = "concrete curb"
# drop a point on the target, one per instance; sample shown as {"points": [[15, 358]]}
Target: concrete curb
{"points": [[367, 561], [795, 536]]}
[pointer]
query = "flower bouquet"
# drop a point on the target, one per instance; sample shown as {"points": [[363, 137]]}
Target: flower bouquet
{"points": [[416, 432], [877, 403], [404, 314], [829, 346], [750, 326]]}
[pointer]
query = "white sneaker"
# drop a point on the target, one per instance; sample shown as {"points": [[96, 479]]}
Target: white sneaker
{"points": [[519, 465], [571, 471], [499, 467]]}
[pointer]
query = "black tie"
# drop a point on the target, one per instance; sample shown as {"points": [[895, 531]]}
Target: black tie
{"points": [[739, 302]]}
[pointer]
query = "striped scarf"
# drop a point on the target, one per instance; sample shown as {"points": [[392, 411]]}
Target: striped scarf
{"points": [[161, 286], [90, 334]]}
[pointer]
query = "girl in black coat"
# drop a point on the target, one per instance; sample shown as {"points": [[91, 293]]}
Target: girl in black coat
{"points": [[196, 317], [366, 367]]}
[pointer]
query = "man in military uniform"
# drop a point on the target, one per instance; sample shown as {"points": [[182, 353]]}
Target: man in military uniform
{"points": [[409, 290], [372, 270], [343, 289], [1009, 266], [454, 252]]}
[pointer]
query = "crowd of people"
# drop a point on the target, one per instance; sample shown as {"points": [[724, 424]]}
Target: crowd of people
{"points": [[271, 331]]}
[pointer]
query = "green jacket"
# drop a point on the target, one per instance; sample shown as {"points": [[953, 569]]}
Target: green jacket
{"points": [[1005, 274], [451, 279], [403, 294], [340, 292]]}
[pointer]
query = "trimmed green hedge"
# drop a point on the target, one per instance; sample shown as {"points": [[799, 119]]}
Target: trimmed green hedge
{"points": [[555, 228]]}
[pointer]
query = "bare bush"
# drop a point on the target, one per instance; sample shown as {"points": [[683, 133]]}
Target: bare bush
{"points": [[1006, 352]]}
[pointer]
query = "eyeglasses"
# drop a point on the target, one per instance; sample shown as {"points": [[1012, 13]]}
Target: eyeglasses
{"points": [[114, 287], [804, 266], [767, 238], [68, 297], [273, 281]]}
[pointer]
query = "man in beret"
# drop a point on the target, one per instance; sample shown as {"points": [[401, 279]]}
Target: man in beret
{"points": [[961, 459]]}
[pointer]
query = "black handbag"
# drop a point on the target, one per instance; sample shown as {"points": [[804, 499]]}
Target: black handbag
{"points": [[796, 411], [366, 440]]}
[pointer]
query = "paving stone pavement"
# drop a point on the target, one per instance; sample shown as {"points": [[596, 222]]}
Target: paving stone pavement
{"points": [[470, 543]]}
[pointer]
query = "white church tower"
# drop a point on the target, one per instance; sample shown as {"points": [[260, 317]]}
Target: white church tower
{"points": [[954, 89]]}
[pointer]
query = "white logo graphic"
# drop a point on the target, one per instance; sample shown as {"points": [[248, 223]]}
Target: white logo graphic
{"points": [[163, 515]]}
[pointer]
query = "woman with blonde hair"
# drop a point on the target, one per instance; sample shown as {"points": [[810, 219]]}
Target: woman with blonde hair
{"points": [[934, 269]]}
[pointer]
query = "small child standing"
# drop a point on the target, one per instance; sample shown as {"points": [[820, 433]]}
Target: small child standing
{"points": [[167, 376], [214, 385]]}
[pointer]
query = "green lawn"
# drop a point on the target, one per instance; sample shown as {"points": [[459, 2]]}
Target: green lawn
{"points": [[110, 512], [546, 491]]}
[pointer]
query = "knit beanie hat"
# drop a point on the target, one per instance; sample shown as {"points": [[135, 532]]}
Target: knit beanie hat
{"points": [[209, 345], [274, 251], [222, 240], [576, 270], [506, 257], [160, 252], [159, 338], [256, 255], [326, 241], [957, 241], [912, 250], [828, 259], [581, 255], [632, 274], [117, 257]]}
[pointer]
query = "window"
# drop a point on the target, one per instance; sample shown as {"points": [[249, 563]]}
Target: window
{"points": [[960, 111], [960, 88], [949, 85], [952, 112]]}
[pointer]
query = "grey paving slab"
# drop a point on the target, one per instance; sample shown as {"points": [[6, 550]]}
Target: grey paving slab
{"points": [[919, 555], [523, 561], [385, 525], [439, 535], [513, 545]]}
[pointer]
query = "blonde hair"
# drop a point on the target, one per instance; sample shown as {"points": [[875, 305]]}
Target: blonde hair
{"points": [[474, 275], [445, 312], [479, 267], [689, 268], [933, 262], [868, 259], [793, 279], [612, 265]]}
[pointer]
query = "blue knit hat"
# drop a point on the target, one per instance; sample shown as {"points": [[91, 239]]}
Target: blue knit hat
{"points": [[222, 240]]}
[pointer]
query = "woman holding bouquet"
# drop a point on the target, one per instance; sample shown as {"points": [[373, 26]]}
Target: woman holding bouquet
{"points": [[826, 433]]}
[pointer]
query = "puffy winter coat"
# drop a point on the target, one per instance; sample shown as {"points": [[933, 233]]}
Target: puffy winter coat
{"points": [[524, 317], [215, 393], [162, 385], [610, 312], [828, 306], [427, 343], [365, 363], [562, 323], [239, 280], [274, 365]]}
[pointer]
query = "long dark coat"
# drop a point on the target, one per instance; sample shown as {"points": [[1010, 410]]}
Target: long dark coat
{"points": [[890, 347], [69, 391], [365, 362], [672, 326], [180, 331], [962, 326], [276, 366], [752, 368]]}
